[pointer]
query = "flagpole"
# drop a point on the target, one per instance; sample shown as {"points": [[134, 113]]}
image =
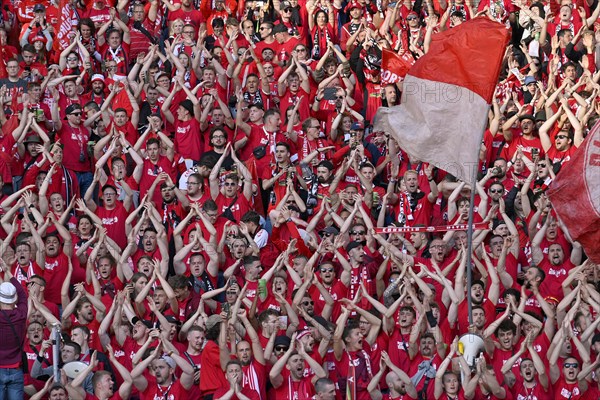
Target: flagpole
{"points": [[470, 222]]}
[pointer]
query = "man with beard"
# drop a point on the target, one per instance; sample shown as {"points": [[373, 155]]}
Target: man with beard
{"points": [[333, 285], [155, 164], [550, 233], [357, 269], [399, 384], [97, 94], [438, 251], [532, 381], [556, 266], [195, 186], [306, 340], [163, 384], [414, 206], [296, 386], [561, 144], [84, 310], [256, 113], [56, 259], [153, 244], [125, 125], [236, 390], [195, 338], [266, 135], [317, 184], [281, 175], [112, 213], [174, 204], [218, 141], [478, 297], [252, 359], [149, 108], [424, 364], [60, 182], [498, 173]]}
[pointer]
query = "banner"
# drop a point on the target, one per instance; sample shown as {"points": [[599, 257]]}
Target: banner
{"points": [[65, 26], [440, 228]]}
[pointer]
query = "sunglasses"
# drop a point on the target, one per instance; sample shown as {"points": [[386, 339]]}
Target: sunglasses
{"points": [[327, 234], [571, 365], [263, 28], [327, 270], [411, 18], [496, 190], [561, 137], [358, 232], [281, 348], [308, 303]]}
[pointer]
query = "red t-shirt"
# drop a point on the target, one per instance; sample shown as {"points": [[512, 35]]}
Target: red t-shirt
{"points": [[187, 139], [154, 391], [55, 273], [212, 377], [114, 222]]}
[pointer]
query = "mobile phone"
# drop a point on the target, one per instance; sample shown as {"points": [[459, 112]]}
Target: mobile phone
{"points": [[329, 93], [283, 322]]}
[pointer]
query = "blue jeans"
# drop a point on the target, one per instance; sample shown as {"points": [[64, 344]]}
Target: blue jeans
{"points": [[85, 180], [11, 384]]}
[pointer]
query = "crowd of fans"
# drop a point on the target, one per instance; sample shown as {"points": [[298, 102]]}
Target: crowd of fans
{"points": [[191, 191]]}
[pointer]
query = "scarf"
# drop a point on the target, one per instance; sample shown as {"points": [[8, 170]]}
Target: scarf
{"points": [[250, 379], [255, 98], [359, 374], [297, 390], [425, 370], [307, 148], [321, 36], [404, 209]]}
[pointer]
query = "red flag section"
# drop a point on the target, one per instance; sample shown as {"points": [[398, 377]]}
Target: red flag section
{"points": [[575, 195], [446, 96], [394, 66], [469, 56]]}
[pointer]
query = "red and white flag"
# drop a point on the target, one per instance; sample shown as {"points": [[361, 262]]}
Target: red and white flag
{"points": [[575, 195], [394, 66], [446, 97]]}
